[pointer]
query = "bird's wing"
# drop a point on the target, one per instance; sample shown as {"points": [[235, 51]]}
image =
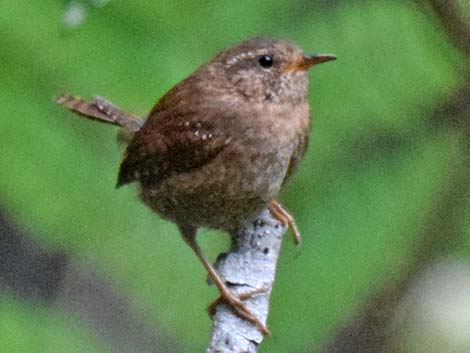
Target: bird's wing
{"points": [[171, 141]]}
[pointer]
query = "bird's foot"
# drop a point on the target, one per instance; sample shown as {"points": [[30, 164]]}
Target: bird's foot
{"points": [[239, 308], [281, 214]]}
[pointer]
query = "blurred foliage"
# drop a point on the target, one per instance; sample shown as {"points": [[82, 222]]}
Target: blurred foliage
{"points": [[373, 165], [27, 329]]}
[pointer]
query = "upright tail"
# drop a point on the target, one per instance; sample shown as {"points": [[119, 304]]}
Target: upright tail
{"points": [[99, 109]]}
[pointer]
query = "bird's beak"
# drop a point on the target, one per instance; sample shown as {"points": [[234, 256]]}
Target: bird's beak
{"points": [[307, 61]]}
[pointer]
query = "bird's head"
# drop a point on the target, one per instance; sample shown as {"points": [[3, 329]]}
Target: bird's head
{"points": [[268, 70]]}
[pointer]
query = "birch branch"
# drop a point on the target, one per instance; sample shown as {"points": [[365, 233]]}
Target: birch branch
{"points": [[249, 266]]}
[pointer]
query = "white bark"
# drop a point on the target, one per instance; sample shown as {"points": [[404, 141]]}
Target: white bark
{"points": [[250, 265]]}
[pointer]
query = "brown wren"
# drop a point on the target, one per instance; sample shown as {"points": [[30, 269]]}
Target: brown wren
{"points": [[218, 147]]}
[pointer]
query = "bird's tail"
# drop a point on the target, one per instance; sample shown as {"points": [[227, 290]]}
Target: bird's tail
{"points": [[100, 109]]}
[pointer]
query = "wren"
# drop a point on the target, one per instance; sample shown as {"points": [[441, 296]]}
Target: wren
{"points": [[218, 147]]}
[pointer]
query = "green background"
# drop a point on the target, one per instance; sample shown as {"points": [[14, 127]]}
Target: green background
{"points": [[371, 174]]}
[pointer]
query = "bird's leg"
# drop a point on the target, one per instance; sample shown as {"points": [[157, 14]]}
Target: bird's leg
{"points": [[242, 296], [235, 303], [281, 214]]}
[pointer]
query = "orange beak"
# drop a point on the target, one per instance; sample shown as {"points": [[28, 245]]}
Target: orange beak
{"points": [[308, 61]]}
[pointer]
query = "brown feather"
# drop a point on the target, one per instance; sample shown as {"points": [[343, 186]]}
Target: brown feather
{"points": [[101, 110], [170, 141], [85, 109]]}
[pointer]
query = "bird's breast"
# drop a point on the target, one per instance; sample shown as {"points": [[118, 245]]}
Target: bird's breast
{"points": [[242, 179]]}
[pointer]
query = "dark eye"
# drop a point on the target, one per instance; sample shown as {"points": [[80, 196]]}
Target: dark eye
{"points": [[266, 61]]}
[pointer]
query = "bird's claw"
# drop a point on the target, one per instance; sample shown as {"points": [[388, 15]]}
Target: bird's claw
{"points": [[239, 308]]}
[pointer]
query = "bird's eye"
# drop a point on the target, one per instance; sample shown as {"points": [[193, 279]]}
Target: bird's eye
{"points": [[266, 61]]}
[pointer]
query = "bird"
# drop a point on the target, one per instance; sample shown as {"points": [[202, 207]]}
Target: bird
{"points": [[219, 146]]}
